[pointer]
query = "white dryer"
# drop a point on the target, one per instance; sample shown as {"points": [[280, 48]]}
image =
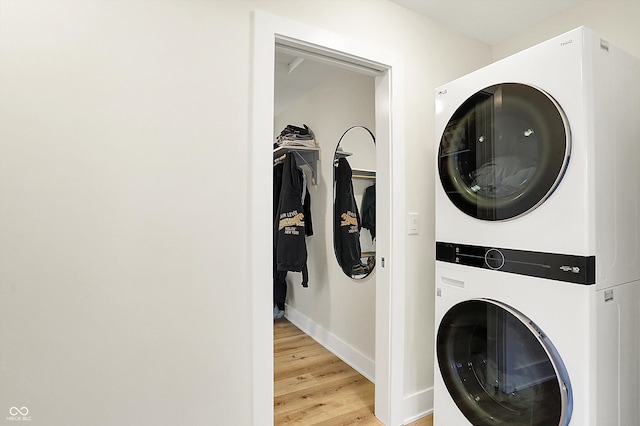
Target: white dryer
{"points": [[538, 239]]}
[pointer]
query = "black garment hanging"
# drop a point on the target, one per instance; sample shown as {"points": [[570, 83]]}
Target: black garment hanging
{"points": [[369, 210], [290, 224], [346, 219], [279, 277]]}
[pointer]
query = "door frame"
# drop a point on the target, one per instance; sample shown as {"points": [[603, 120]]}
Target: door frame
{"points": [[390, 206]]}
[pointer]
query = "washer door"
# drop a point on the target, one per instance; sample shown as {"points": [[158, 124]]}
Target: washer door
{"points": [[504, 151], [500, 369]]}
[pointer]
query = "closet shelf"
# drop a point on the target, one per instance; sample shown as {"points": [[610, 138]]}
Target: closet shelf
{"points": [[305, 156], [343, 154]]}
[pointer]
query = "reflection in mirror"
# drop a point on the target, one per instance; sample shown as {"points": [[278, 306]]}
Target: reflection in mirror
{"points": [[354, 202]]}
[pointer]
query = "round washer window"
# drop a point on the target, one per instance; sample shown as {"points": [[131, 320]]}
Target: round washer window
{"points": [[504, 151], [500, 369]]}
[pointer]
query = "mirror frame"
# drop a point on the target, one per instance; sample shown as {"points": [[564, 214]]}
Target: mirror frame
{"points": [[369, 267]]}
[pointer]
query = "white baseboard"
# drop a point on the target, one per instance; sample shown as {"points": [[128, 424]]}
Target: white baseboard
{"points": [[418, 405], [356, 359], [415, 406]]}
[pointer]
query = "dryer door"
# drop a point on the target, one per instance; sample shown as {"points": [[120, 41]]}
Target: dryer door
{"points": [[504, 151], [499, 368]]}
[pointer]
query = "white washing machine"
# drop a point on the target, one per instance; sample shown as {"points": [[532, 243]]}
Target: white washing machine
{"points": [[538, 239], [539, 152], [518, 350]]}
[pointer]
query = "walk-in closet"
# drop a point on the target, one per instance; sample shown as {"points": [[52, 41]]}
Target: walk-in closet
{"points": [[333, 302]]}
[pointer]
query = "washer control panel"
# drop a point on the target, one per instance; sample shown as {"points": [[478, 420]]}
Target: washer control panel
{"points": [[494, 259], [560, 267]]}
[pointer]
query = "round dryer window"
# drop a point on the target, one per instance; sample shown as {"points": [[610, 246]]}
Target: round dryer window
{"points": [[504, 151], [500, 369]]}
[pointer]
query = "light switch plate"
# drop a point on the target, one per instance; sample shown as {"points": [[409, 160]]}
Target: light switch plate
{"points": [[414, 220]]}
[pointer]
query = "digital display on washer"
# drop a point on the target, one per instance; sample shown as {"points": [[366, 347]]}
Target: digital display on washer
{"points": [[559, 267]]}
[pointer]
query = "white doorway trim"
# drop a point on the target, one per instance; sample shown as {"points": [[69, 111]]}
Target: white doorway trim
{"points": [[390, 207]]}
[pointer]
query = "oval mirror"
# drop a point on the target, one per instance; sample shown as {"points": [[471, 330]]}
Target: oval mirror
{"points": [[354, 202]]}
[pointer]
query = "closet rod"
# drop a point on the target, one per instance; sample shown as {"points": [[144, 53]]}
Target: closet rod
{"points": [[363, 177], [282, 157]]}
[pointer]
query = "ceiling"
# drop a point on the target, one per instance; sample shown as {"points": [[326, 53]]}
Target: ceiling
{"points": [[490, 21]]}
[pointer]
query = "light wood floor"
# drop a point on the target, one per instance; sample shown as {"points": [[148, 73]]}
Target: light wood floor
{"points": [[314, 387]]}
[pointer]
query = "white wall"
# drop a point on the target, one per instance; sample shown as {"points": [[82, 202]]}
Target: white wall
{"points": [[336, 304], [121, 231], [617, 21], [123, 202]]}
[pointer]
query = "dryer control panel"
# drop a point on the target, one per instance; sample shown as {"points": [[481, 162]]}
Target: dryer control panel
{"points": [[553, 266]]}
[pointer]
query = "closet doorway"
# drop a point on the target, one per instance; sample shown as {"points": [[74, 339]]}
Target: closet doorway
{"points": [[337, 308], [269, 32]]}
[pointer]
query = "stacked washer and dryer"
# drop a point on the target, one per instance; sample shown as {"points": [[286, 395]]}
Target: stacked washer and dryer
{"points": [[538, 239]]}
